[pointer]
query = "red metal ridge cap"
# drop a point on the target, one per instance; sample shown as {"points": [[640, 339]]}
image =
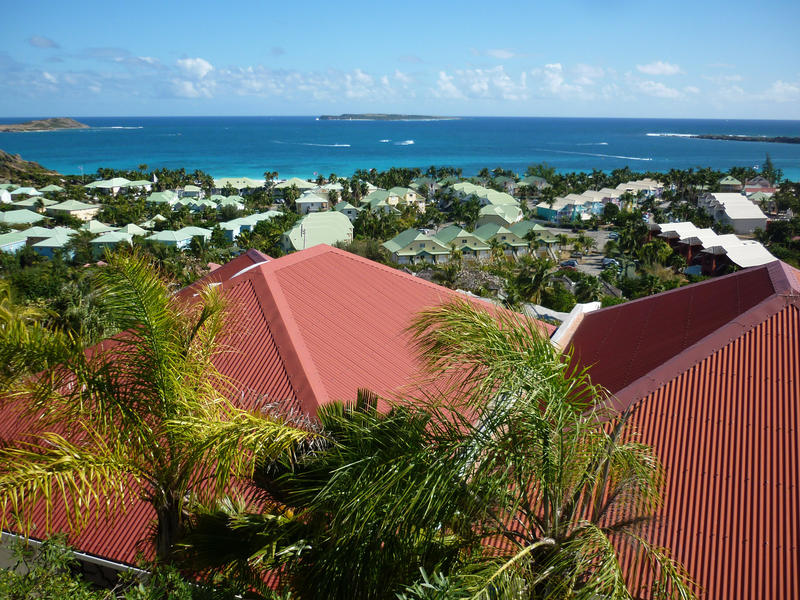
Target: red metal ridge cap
{"points": [[303, 371]]}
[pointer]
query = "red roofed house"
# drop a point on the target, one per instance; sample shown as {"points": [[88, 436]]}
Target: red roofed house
{"points": [[711, 375], [306, 329]]}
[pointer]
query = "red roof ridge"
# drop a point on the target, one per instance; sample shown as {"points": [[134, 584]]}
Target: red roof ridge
{"points": [[641, 388], [321, 249], [785, 278], [695, 286]]}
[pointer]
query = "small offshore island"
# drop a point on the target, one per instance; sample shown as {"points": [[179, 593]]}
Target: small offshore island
{"points": [[749, 138], [43, 125], [382, 117]]}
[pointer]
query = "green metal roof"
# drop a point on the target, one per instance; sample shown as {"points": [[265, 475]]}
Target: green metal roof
{"points": [[132, 229], [328, 227], [728, 180], [447, 236], [71, 205], [20, 217], [300, 184], [112, 238], [52, 188], [34, 201], [405, 238], [523, 227], [94, 226], [12, 237]]}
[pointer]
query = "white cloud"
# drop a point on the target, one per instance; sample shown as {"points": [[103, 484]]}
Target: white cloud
{"points": [[494, 83], [39, 41], [782, 91], [500, 53], [402, 77], [587, 74], [554, 83], [659, 68], [690, 89], [196, 67], [657, 89], [48, 77], [446, 88]]}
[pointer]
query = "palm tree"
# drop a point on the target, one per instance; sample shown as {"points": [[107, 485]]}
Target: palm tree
{"points": [[515, 476], [531, 277], [144, 413]]}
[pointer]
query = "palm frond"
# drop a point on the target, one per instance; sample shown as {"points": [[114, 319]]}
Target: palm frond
{"points": [[230, 440], [56, 471]]}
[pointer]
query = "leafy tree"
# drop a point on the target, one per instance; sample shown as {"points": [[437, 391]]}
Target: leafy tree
{"points": [[152, 425], [517, 481], [45, 571]]}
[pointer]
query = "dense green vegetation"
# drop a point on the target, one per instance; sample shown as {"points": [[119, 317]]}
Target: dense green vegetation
{"points": [[505, 476]]}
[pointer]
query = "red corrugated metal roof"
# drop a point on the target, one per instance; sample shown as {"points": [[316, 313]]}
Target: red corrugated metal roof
{"points": [[723, 415], [305, 329]]}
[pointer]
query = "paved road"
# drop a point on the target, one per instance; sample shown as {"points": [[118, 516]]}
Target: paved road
{"points": [[590, 263]]}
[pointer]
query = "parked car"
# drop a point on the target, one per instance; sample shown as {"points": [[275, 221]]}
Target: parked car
{"points": [[569, 264], [609, 262], [613, 235]]}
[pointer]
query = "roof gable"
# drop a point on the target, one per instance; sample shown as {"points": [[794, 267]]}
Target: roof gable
{"points": [[635, 347]]}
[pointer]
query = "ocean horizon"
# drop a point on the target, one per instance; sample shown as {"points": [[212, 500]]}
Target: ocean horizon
{"points": [[305, 146]]}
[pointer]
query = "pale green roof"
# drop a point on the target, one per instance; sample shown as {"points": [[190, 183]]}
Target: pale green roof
{"points": [[403, 239], [107, 184], [239, 183], [113, 237], [39, 231], [300, 184], [258, 217], [133, 229], [204, 203], [194, 231], [344, 205], [166, 197], [523, 227], [728, 180], [400, 191], [33, 202], [376, 196], [12, 237], [311, 198], [328, 227], [508, 212], [191, 188], [489, 230], [453, 232], [71, 205], [94, 226], [20, 217], [26, 191], [52, 188], [166, 236], [139, 183], [59, 240]]}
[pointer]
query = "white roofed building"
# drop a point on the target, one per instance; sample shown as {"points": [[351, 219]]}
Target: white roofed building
{"points": [[735, 210]]}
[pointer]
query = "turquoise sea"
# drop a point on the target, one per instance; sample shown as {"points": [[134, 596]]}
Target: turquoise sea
{"points": [[304, 146]]}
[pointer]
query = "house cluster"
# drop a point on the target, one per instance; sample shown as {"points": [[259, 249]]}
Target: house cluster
{"points": [[734, 209], [592, 202], [707, 374], [708, 253], [414, 246]]}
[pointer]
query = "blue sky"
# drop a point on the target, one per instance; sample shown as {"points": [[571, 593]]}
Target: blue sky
{"points": [[614, 58]]}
